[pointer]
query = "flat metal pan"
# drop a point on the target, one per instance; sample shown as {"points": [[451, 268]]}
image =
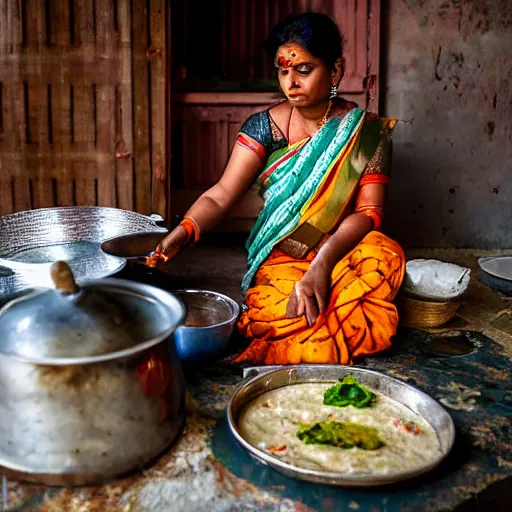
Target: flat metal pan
{"points": [[31, 240], [135, 245], [265, 379]]}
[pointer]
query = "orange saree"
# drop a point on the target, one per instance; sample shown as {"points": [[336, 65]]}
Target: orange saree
{"points": [[360, 318]]}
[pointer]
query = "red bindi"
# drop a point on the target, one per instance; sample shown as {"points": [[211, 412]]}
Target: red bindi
{"points": [[283, 63]]}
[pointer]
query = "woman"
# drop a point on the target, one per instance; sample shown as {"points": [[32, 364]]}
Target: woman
{"points": [[321, 278]]}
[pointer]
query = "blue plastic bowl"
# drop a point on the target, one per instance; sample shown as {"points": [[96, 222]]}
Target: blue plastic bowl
{"points": [[208, 325]]}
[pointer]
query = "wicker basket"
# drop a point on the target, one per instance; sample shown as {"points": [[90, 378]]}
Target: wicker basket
{"points": [[416, 312]]}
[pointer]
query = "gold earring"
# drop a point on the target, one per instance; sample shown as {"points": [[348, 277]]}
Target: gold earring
{"points": [[334, 91]]}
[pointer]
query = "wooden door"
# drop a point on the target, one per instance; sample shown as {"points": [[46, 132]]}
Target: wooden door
{"points": [[220, 75], [82, 96]]}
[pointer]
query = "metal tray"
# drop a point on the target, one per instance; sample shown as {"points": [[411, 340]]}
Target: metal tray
{"points": [[267, 378], [31, 240], [497, 266]]}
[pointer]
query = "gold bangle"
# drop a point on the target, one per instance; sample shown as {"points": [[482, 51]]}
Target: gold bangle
{"points": [[367, 207]]}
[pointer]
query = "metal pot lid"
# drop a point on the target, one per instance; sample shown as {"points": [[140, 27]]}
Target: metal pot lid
{"points": [[68, 322]]}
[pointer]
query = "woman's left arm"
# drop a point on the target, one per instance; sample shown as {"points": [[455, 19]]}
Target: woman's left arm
{"points": [[311, 294]]}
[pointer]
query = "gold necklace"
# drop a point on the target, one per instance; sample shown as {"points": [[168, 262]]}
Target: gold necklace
{"points": [[326, 115]]}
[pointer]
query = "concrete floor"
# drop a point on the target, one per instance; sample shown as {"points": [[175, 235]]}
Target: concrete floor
{"points": [[219, 263]]}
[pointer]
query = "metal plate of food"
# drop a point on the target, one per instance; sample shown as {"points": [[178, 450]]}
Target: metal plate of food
{"points": [[32, 240], [282, 418]]}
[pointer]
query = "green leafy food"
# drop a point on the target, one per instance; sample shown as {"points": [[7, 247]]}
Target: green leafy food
{"points": [[349, 392], [340, 434]]}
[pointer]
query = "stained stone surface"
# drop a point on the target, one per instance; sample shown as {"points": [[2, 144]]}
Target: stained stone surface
{"points": [[205, 470], [475, 389]]}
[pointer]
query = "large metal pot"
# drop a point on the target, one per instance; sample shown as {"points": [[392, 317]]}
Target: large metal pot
{"points": [[90, 381]]}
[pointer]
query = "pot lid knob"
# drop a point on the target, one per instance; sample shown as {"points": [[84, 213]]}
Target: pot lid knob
{"points": [[63, 278]]}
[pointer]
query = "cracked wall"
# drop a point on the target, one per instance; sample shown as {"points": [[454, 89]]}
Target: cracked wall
{"points": [[447, 75]]}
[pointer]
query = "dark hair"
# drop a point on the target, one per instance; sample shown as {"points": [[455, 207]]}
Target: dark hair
{"points": [[316, 32]]}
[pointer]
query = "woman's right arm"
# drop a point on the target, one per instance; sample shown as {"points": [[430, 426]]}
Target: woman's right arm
{"points": [[241, 171]]}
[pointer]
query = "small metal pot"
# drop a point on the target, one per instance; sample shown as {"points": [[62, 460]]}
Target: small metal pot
{"points": [[208, 326], [90, 382]]}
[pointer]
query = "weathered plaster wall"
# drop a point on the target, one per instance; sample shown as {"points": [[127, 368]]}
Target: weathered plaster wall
{"points": [[448, 78]]}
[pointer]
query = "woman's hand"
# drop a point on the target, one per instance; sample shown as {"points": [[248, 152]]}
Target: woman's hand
{"points": [[310, 295], [168, 248]]}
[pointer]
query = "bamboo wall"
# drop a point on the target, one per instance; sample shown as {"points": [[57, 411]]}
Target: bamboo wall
{"points": [[82, 95]]}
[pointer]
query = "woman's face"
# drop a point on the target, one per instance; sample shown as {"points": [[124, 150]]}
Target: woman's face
{"points": [[304, 79]]}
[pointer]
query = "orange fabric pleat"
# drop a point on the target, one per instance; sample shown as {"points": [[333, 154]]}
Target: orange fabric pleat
{"points": [[360, 319]]}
